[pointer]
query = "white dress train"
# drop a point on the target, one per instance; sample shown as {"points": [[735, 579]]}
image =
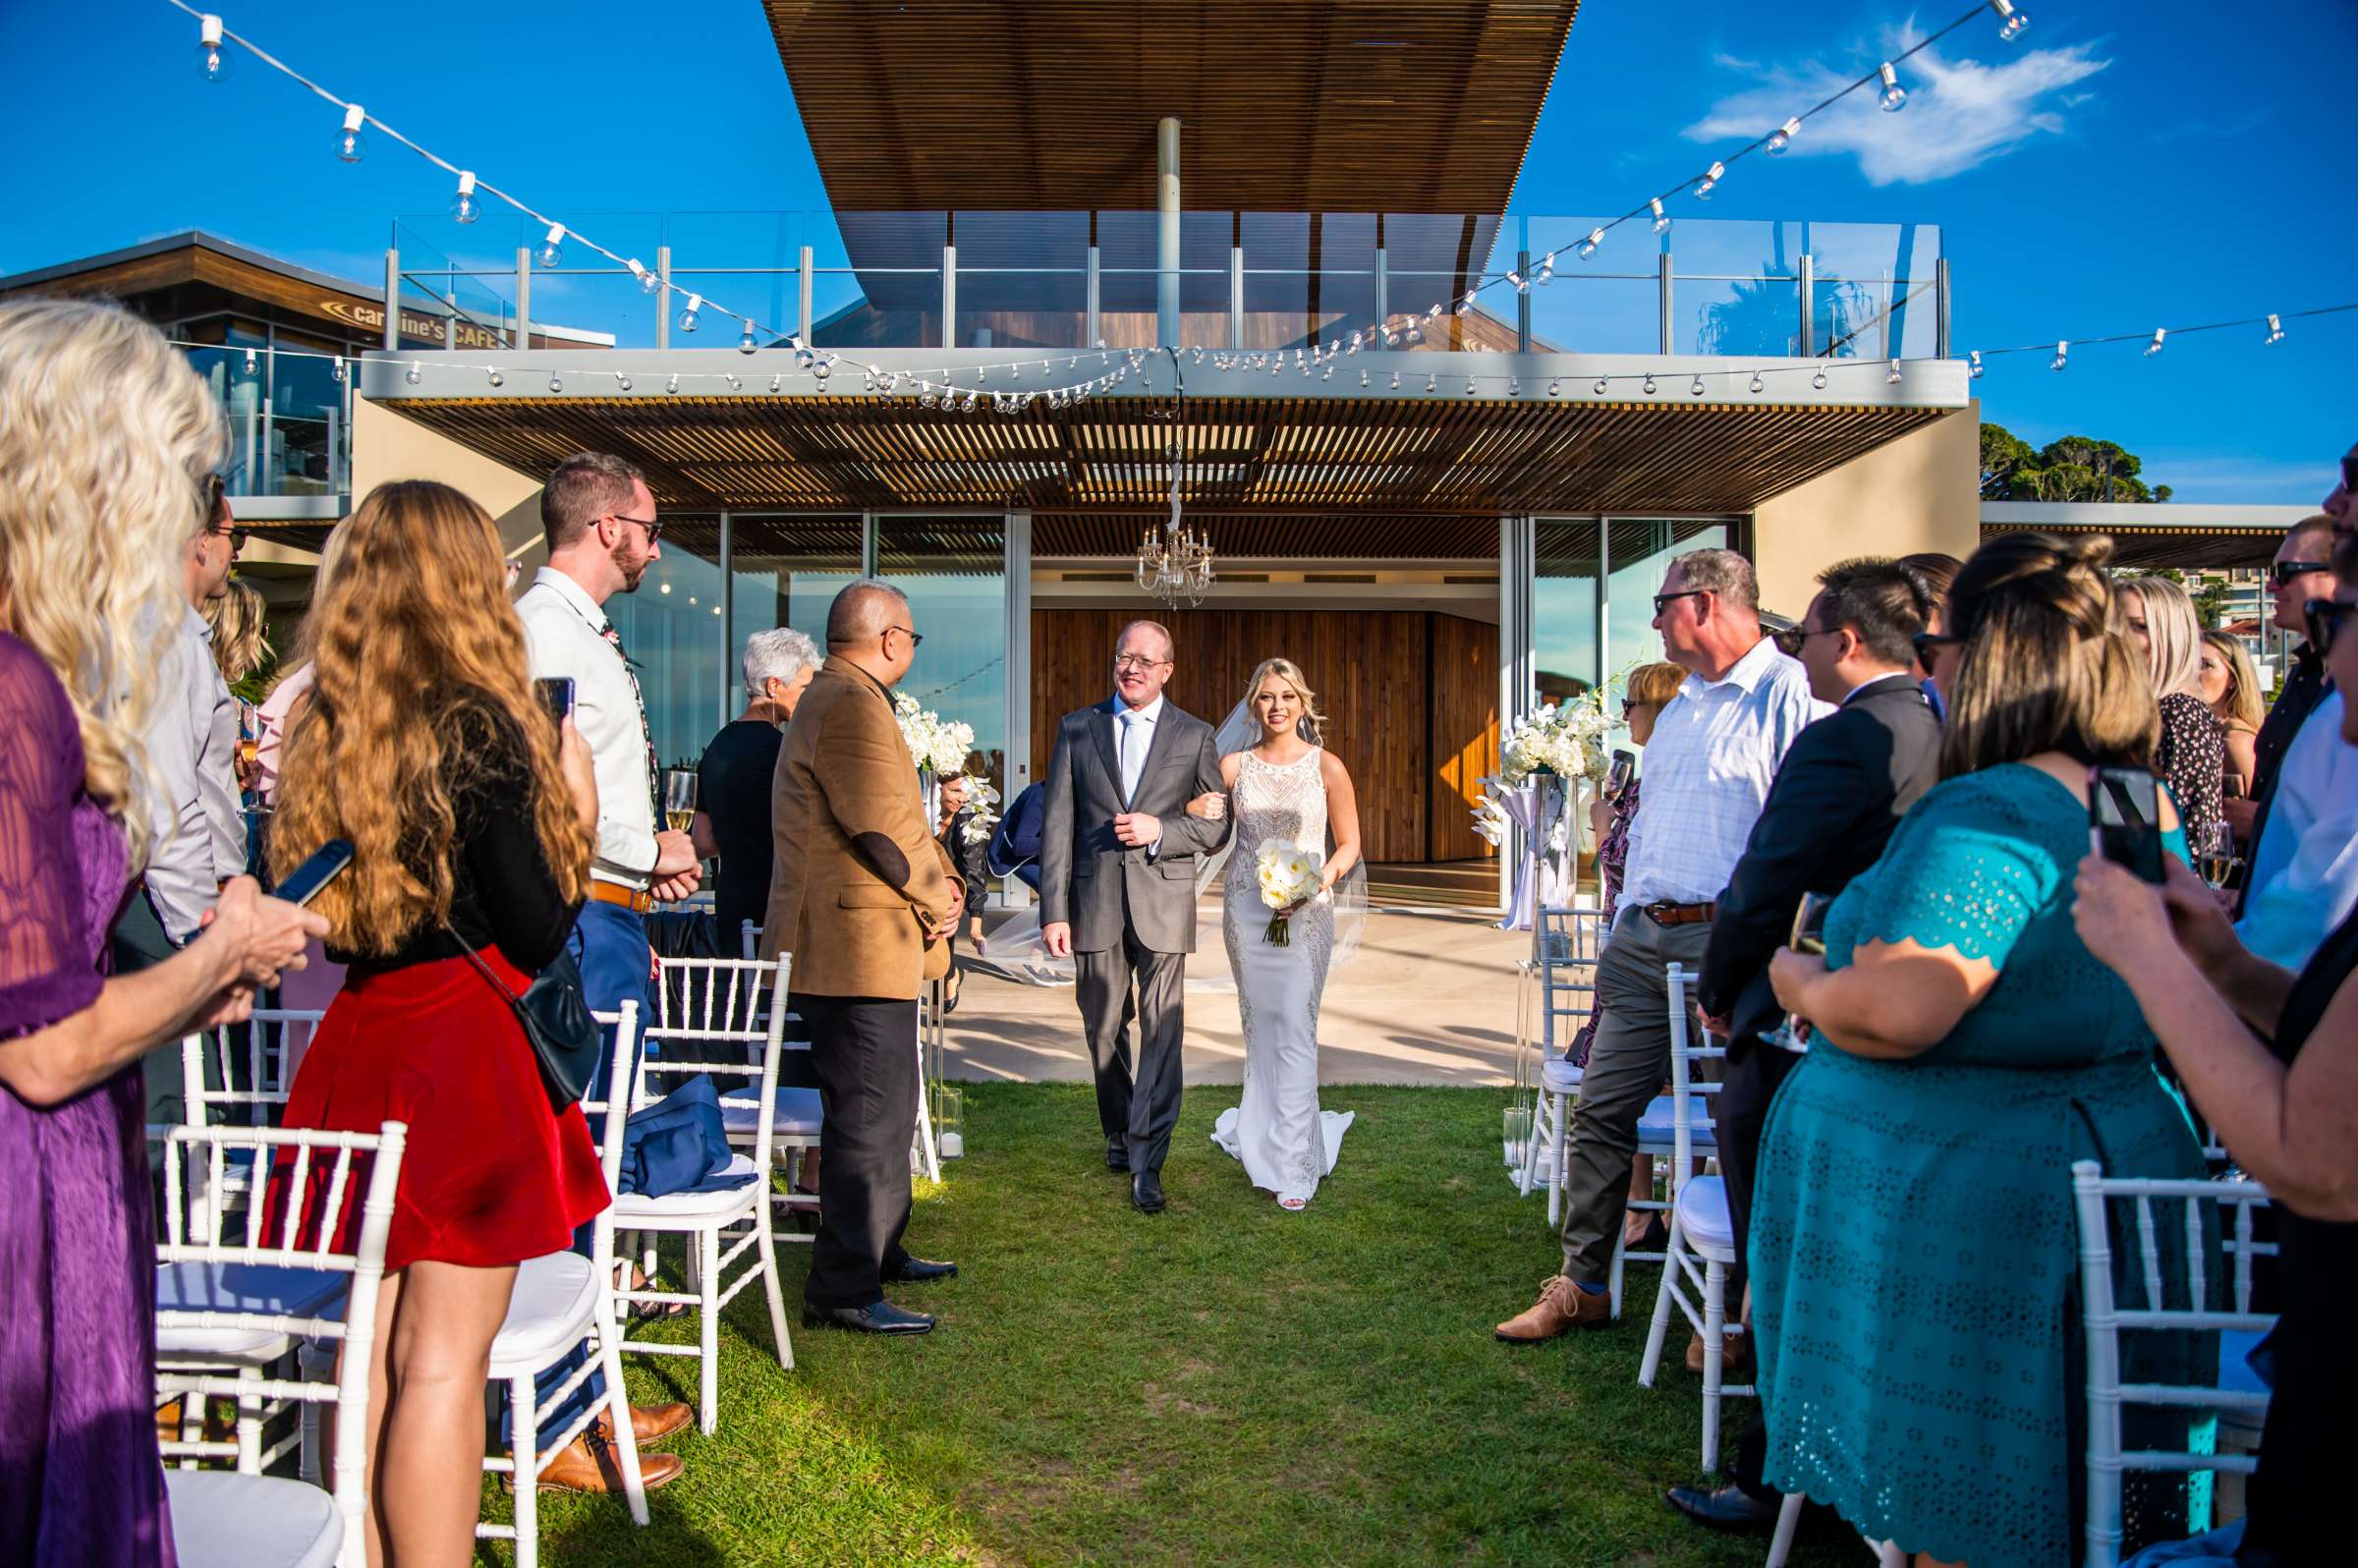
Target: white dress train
{"points": [[1284, 1140]]}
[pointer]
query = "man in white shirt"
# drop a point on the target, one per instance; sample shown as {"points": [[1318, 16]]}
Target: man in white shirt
{"points": [[1715, 751]]}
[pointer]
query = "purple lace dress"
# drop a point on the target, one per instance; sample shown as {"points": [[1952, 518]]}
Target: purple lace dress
{"points": [[80, 1480]]}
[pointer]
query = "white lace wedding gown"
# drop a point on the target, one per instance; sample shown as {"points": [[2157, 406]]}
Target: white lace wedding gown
{"points": [[1285, 1142]]}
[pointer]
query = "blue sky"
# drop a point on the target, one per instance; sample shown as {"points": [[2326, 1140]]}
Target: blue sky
{"points": [[2121, 167]]}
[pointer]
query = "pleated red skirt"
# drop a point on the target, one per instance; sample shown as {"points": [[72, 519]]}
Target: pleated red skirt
{"points": [[490, 1175]]}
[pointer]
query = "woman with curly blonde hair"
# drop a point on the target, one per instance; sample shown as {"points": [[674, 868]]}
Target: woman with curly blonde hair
{"points": [[469, 814], [107, 447]]}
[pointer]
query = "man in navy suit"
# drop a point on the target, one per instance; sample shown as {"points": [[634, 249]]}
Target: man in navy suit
{"points": [[1840, 790]]}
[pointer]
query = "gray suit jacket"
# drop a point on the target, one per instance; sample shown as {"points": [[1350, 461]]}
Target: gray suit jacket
{"points": [[1087, 875]]}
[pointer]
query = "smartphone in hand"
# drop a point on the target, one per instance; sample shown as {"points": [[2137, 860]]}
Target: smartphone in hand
{"points": [[556, 694], [2125, 820], [1617, 778], [325, 863]]}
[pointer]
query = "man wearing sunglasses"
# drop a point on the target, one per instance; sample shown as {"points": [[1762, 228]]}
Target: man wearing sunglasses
{"points": [[2302, 570]]}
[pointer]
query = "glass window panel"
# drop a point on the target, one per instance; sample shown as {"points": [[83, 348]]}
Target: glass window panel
{"points": [[785, 571], [1642, 548], [1564, 608], [954, 571], [308, 415], [671, 629], [242, 393]]}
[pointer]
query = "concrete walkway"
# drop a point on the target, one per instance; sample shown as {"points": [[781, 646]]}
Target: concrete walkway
{"points": [[1429, 998]]}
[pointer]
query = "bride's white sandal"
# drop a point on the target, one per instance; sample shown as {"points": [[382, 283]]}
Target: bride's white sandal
{"points": [[1292, 1204]]}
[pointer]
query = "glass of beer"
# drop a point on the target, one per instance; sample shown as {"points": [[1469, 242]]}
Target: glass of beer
{"points": [[679, 798]]}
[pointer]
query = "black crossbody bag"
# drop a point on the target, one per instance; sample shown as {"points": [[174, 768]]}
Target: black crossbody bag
{"points": [[566, 1040]]}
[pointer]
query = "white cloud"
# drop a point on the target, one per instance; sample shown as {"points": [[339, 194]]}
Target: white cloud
{"points": [[1960, 113]]}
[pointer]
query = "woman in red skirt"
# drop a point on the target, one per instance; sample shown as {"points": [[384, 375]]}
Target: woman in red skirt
{"points": [[471, 816]]}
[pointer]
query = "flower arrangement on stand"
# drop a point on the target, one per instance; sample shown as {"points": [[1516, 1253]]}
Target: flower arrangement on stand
{"points": [[1560, 740], [939, 746]]}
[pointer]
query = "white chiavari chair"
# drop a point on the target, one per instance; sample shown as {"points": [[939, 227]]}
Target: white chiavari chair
{"points": [[722, 1004], [1564, 947], [236, 1075]]}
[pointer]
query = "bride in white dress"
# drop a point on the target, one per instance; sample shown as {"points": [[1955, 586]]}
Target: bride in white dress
{"points": [[1283, 787]]}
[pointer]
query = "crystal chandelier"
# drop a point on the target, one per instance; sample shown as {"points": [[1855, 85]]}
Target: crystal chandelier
{"points": [[1174, 563]]}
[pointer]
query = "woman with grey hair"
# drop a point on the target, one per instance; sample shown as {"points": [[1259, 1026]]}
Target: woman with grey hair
{"points": [[2192, 755], [733, 787]]}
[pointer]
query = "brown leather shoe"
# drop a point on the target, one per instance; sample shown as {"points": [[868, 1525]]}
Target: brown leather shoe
{"points": [[1735, 1360], [649, 1423], [1562, 1306], [589, 1464]]}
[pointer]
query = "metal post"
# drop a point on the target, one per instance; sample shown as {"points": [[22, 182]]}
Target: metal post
{"points": [[802, 310], [1092, 330], [949, 296], [450, 323], [1016, 569], [1808, 295], [663, 298], [1166, 232], [1662, 276], [728, 615], [1383, 286], [867, 544], [1941, 309], [1523, 304], [1882, 332], [1236, 297], [524, 296], [392, 298]]}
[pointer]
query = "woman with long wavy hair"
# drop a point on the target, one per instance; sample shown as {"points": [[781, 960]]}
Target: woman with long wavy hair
{"points": [[107, 441], [470, 815]]}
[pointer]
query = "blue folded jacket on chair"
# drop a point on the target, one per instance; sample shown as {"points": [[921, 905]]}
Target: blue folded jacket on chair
{"points": [[678, 1144]]}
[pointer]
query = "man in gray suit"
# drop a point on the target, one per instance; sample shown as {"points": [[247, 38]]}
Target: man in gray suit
{"points": [[1117, 890]]}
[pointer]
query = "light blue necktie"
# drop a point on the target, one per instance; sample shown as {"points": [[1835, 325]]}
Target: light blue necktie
{"points": [[1134, 753]]}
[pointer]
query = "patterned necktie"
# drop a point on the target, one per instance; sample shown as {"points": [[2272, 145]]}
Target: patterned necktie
{"points": [[638, 698]]}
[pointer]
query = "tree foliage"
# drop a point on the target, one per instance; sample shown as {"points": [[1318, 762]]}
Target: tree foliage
{"points": [[2076, 468]]}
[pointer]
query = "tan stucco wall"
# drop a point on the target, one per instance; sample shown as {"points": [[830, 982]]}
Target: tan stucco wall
{"points": [[386, 447], [1919, 492]]}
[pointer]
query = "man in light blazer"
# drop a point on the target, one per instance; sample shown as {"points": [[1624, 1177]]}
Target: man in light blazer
{"points": [[1118, 891], [862, 898]]}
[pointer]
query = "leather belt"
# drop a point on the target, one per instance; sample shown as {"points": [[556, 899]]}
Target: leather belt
{"points": [[1682, 913], [637, 900]]}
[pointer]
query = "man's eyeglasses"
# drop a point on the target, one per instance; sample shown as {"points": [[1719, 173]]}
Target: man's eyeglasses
{"points": [[1661, 601], [2323, 618], [2282, 573], [1928, 643], [1789, 640], [916, 639], [653, 525], [1134, 661]]}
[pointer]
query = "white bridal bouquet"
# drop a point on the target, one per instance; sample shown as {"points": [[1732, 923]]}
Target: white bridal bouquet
{"points": [[940, 747], [1288, 874]]}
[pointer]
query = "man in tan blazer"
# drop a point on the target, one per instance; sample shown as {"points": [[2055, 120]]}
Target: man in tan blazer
{"points": [[862, 898]]}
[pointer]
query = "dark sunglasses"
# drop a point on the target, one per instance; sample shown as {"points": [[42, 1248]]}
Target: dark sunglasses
{"points": [[1926, 644], [2323, 618], [2284, 572], [1789, 640], [1661, 601]]}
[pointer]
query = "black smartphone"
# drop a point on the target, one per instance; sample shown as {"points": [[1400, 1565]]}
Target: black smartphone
{"points": [[556, 694], [1617, 778], [2124, 818], [303, 884]]}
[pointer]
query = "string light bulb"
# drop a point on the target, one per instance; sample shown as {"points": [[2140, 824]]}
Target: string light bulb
{"points": [[335, 371], [552, 248], [744, 339], [1973, 366], [1396, 380], [1433, 383], [2014, 22], [1661, 219], [1893, 98], [1598, 386], [1588, 247], [465, 207], [1780, 139], [1710, 180], [1469, 386], [673, 384], [776, 381], [413, 374], [495, 378], [250, 365], [2275, 329], [1546, 273], [350, 146], [2154, 347], [622, 382], [1819, 380], [2062, 355], [1891, 376], [214, 62], [1697, 389], [1555, 388], [1647, 388], [688, 313], [649, 283], [1757, 386], [556, 382]]}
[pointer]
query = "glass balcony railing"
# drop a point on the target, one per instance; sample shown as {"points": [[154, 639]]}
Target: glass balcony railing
{"points": [[1243, 280]]}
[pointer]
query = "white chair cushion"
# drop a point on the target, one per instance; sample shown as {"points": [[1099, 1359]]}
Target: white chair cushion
{"points": [[251, 1288], [1703, 1221], [1560, 1076], [1658, 1126], [795, 1111], [630, 1207], [549, 1314], [224, 1520]]}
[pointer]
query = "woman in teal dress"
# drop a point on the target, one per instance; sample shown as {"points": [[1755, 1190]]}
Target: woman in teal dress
{"points": [[1914, 1256]]}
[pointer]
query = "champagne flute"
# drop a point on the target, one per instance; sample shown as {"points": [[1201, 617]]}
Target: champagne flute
{"points": [[2219, 862], [679, 798], [1809, 936]]}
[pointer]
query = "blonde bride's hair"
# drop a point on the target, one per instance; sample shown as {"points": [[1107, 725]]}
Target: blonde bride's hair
{"points": [[1287, 670], [108, 439]]}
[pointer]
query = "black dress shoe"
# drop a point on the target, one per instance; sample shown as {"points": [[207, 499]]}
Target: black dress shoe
{"points": [[1116, 1157], [877, 1318], [1728, 1508], [919, 1271], [1146, 1190]]}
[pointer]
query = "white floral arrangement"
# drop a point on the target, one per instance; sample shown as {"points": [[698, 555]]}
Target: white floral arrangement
{"points": [[1490, 822], [1288, 874], [1567, 738], [939, 746], [981, 818]]}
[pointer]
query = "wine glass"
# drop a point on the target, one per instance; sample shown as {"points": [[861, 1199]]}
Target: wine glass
{"points": [[2219, 862], [679, 798], [1809, 936]]}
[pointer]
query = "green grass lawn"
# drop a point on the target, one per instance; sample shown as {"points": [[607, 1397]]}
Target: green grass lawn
{"points": [[1221, 1383]]}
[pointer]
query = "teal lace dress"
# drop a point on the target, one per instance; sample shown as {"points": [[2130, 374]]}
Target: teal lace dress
{"points": [[1914, 1254]]}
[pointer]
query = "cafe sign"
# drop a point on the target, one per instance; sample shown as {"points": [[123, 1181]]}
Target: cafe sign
{"points": [[419, 329]]}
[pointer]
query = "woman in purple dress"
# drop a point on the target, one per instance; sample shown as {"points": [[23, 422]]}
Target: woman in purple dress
{"points": [[107, 440]]}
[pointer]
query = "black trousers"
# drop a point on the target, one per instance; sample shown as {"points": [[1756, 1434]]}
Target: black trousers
{"points": [[1138, 1111], [864, 1050], [1752, 1083]]}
